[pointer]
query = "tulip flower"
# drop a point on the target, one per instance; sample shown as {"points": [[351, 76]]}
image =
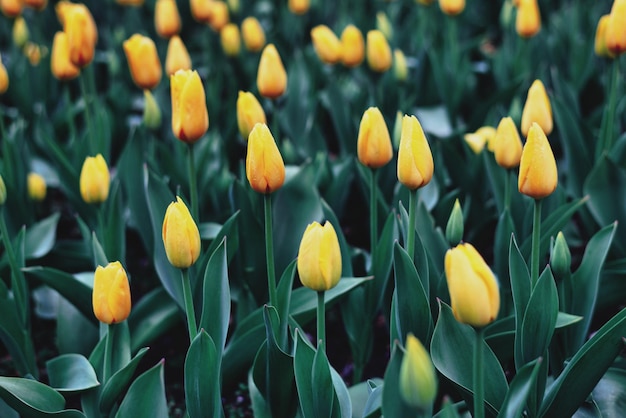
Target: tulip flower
{"points": [[560, 257], [60, 65], [473, 288], [326, 44], [4, 78], [36, 186], [81, 31], [130, 2], [298, 7], [384, 25], [94, 180], [151, 111], [378, 51], [418, 379], [253, 34], [452, 7], [219, 16], [352, 46], [181, 237], [475, 141], [38, 5], [11, 8], [538, 175], [507, 144], [201, 10], [265, 168], [143, 61], [111, 294], [190, 118], [177, 57], [166, 18], [400, 69], [319, 257], [249, 113], [415, 161], [20, 32], [33, 53], [528, 20], [271, 78], [537, 109], [616, 28], [233, 5], [455, 226], [374, 143], [230, 39], [3, 192], [600, 46]]}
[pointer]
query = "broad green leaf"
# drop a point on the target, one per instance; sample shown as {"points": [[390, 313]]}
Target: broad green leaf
{"points": [[502, 245], [33, 399], [342, 403], [323, 392], [565, 320], [284, 292], [304, 354], [374, 406], [421, 255], [99, 255], [113, 232], [610, 393], [521, 385], [520, 287], [119, 382], [383, 261], [154, 315], [364, 400], [40, 237], [70, 373], [146, 396], [393, 404], [259, 406], [202, 378], [14, 337]]}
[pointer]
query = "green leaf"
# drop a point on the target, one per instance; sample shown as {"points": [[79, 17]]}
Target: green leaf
{"points": [[324, 392], [520, 287], [33, 399], [118, 383], [383, 260], [520, 388], [14, 337], [146, 396], [230, 230], [342, 403], [202, 378], [259, 406], [114, 229], [393, 404], [71, 373], [40, 237], [99, 256], [565, 320], [284, 292], [304, 353], [610, 393], [154, 315]]}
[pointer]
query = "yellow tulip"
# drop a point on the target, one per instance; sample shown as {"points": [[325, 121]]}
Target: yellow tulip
{"points": [[3, 191], [111, 294], [181, 237], [249, 113], [265, 168], [352, 46], [36, 186], [253, 34], [326, 44], [190, 118], [418, 379], [319, 257], [166, 18], [384, 25], [201, 10], [177, 57], [415, 161], [507, 144], [528, 20], [4, 78], [400, 69], [452, 7], [475, 141], [20, 32], [378, 51], [234, 6], [230, 39], [60, 65], [374, 144], [81, 31], [219, 16], [489, 133], [473, 288], [94, 180], [11, 8], [298, 7], [143, 61], [600, 47], [38, 5], [151, 111], [537, 109], [271, 78], [538, 175], [616, 28]]}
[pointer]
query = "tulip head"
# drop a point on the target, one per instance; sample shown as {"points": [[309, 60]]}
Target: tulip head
{"points": [[384, 25], [400, 68], [81, 31], [537, 109], [418, 379], [201, 10], [190, 117], [378, 51], [11, 8], [151, 111], [528, 20], [374, 147], [616, 28], [326, 44], [455, 226], [507, 144], [298, 7], [219, 15], [180, 234], [95, 180], [177, 57], [253, 34], [452, 7], [352, 46], [600, 47], [20, 32], [473, 288], [38, 5], [111, 294], [265, 168], [475, 141], [538, 175], [3, 191], [560, 257], [230, 39], [319, 257], [166, 18], [415, 161], [60, 65], [271, 78], [249, 113], [36, 186], [4, 78], [143, 61], [130, 2]]}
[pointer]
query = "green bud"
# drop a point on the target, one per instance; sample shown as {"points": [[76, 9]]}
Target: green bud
{"points": [[454, 228], [560, 257], [418, 381], [151, 111], [397, 130], [3, 191]]}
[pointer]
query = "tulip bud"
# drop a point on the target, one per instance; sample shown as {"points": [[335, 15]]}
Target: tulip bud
{"points": [[489, 133], [374, 144], [20, 32], [111, 294], [190, 118], [528, 20], [38, 5], [400, 69], [452, 7], [33, 52], [253, 34], [94, 180], [181, 237], [143, 61], [473, 288], [455, 227], [219, 16], [230, 39], [177, 56], [475, 141], [319, 257], [507, 144], [352, 46], [36, 186], [249, 113], [3, 191], [265, 168], [298, 7], [271, 78], [233, 5], [418, 380], [11, 8], [60, 65], [600, 47], [537, 109], [151, 111], [4, 78], [81, 31], [378, 52], [415, 161], [616, 28], [384, 25], [326, 44], [166, 18], [201, 10], [130, 2], [560, 257], [538, 176]]}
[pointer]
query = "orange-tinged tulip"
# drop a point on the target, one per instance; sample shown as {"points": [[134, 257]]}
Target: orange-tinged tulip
{"points": [[528, 20], [374, 144], [177, 56], [166, 18], [201, 10], [130, 2], [418, 379], [38, 5], [33, 53], [249, 113], [4, 78], [537, 109], [95, 180], [507, 144], [600, 47], [319, 257], [253, 34], [352, 46], [230, 39], [11, 8], [81, 31], [616, 28], [180, 234], [265, 168], [298, 7], [36, 186], [111, 294], [143, 61], [538, 175], [452, 7], [219, 15], [415, 161], [378, 51], [271, 78], [190, 118], [473, 288], [326, 44]]}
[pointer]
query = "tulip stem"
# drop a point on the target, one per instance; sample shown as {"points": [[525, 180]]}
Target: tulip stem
{"points": [[608, 121], [321, 321], [534, 257], [373, 216], [90, 128], [410, 233], [479, 407], [191, 314], [17, 284], [269, 249], [108, 351], [193, 186], [507, 190]]}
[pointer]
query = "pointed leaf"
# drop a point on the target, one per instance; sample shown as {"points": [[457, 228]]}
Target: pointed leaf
{"points": [[202, 378], [324, 392], [33, 399], [515, 401], [119, 382], [304, 355], [71, 373], [40, 237], [146, 396], [393, 404]]}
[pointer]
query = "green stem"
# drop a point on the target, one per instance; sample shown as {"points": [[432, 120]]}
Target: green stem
{"points": [[100, 229], [90, 128], [321, 321], [410, 239], [357, 373], [108, 352], [189, 311], [373, 216], [608, 137], [17, 285], [507, 190], [534, 257], [479, 407], [193, 187], [269, 249]]}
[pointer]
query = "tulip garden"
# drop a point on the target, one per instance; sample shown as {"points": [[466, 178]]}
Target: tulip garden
{"points": [[294, 208]]}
